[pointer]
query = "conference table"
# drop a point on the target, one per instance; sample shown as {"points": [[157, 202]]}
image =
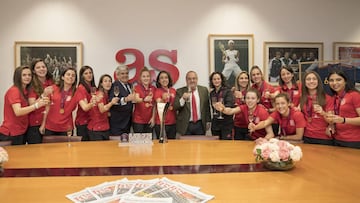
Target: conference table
{"points": [[225, 169]]}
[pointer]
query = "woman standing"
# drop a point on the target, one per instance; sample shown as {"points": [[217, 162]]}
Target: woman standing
{"points": [[221, 125], [287, 84], [312, 102], [16, 107], [242, 83], [291, 122], [85, 90], [143, 117], [40, 87], [266, 91], [345, 106], [165, 93], [98, 126], [59, 119], [252, 113]]}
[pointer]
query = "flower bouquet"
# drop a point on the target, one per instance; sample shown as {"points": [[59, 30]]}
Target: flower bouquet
{"points": [[3, 155], [277, 154]]}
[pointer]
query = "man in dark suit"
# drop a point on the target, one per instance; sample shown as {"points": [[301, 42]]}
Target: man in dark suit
{"points": [[193, 108], [121, 114]]}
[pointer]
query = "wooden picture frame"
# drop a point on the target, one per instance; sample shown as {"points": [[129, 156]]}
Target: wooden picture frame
{"points": [[56, 55], [297, 51], [347, 52], [219, 43]]}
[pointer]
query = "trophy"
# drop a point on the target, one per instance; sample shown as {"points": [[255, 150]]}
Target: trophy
{"points": [[162, 109]]}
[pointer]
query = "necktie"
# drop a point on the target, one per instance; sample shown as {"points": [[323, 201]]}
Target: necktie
{"points": [[193, 107], [127, 88]]}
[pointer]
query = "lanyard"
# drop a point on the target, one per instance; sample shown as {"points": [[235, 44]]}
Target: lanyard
{"points": [[337, 104], [219, 94], [64, 95]]}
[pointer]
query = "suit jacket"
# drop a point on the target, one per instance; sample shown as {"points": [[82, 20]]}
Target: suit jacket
{"points": [[120, 119], [183, 112]]}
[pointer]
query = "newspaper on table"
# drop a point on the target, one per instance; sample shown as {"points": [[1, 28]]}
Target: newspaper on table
{"points": [[157, 190]]}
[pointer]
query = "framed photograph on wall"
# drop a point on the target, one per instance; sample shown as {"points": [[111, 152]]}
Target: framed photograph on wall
{"points": [[56, 55], [231, 54], [277, 54], [348, 52]]}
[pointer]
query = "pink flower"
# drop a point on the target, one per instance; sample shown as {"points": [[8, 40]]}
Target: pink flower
{"points": [[284, 154], [265, 153]]}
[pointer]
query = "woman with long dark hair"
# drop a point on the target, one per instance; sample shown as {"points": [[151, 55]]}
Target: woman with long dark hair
{"points": [[85, 90], [287, 84], [312, 102], [99, 126], [40, 87], [17, 108], [344, 110]]}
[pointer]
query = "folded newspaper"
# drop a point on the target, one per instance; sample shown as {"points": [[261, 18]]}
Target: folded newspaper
{"points": [[157, 190]]}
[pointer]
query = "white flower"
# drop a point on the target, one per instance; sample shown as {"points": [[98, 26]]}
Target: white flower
{"points": [[3, 155], [296, 154], [274, 156]]}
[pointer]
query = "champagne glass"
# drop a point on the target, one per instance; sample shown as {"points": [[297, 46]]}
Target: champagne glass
{"points": [[213, 102], [116, 91], [266, 95], [69, 134], [221, 100], [315, 105], [93, 91]]}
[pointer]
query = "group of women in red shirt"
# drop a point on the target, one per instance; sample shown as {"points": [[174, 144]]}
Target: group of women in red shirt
{"points": [[36, 105], [302, 111]]}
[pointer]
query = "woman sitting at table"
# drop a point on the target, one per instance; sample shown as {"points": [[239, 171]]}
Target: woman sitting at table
{"points": [[344, 110], [291, 122], [252, 112], [17, 108]]}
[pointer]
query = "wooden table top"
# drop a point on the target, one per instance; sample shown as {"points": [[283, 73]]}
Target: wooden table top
{"points": [[325, 174]]}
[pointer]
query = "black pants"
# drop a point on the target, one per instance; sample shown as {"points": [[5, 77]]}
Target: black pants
{"points": [[169, 129], [50, 132], [347, 144], [195, 128], [98, 135], [81, 130], [141, 128], [309, 140], [15, 140], [33, 135], [241, 134]]}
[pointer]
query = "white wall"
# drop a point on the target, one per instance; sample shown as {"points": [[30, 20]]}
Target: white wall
{"points": [[107, 26]]}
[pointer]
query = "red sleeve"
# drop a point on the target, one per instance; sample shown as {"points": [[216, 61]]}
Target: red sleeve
{"points": [[299, 119], [355, 96], [14, 95], [263, 113], [276, 116]]}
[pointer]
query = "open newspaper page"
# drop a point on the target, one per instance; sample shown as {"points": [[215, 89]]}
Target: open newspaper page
{"points": [[82, 196], [182, 194], [159, 185], [104, 191], [132, 199], [141, 184]]}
